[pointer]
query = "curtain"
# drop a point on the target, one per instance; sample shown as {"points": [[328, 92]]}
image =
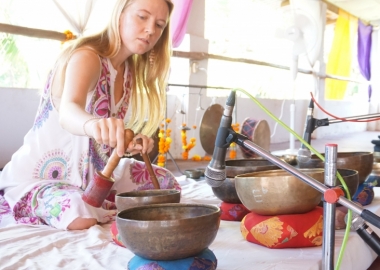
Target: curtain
{"points": [[179, 20], [76, 12], [339, 59], [364, 52]]}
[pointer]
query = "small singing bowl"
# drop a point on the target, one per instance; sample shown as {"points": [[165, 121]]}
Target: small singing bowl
{"points": [[194, 174], [202, 170], [130, 199], [168, 231], [278, 192], [227, 191], [358, 161]]}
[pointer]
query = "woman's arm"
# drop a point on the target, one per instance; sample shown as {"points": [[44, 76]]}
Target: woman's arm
{"points": [[82, 74]]}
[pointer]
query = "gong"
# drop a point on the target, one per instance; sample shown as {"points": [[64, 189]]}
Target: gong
{"points": [[209, 127]]}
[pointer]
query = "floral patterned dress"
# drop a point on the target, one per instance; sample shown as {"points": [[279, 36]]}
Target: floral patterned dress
{"points": [[44, 181]]}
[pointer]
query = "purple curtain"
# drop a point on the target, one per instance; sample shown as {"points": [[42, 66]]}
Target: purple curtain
{"points": [[179, 20], [364, 52]]}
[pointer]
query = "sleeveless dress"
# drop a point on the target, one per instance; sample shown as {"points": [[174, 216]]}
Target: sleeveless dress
{"points": [[44, 181]]}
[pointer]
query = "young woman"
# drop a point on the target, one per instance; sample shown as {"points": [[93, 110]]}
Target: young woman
{"points": [[82, 117]]}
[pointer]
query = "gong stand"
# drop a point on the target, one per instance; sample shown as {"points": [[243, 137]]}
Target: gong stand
{"points": [[331, 194]]}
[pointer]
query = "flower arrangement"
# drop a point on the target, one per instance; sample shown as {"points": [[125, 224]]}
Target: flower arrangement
{"points": [[235, 127], [186, 146], [163, 143], [69, 35]]}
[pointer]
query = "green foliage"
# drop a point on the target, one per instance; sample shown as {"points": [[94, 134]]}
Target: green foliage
{"points": [[14, 71]]}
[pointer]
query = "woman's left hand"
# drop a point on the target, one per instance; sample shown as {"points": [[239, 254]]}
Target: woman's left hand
{"points": [[144, 148]]}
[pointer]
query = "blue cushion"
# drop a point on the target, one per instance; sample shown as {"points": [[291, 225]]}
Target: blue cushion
{"points": [[205, 260]]}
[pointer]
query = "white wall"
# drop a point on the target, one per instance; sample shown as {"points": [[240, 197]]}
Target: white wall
{"points": [[18, 109], [17, 112]]}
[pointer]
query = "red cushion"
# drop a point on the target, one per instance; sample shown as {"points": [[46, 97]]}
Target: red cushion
{"points": [[115, 234], [232, 211], [284, 231]]}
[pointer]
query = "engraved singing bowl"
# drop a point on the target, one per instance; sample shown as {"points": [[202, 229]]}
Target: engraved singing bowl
{"points": [[168, 231], [277, 192], [227, 191], [130, 199], [358, 161]]}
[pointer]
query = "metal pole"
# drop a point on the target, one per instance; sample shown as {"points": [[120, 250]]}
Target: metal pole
{"points": [[329, 209]]}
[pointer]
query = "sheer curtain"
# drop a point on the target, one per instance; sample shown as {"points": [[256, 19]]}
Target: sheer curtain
{"points": [[85, 16], [179, 20], [364, 52]]}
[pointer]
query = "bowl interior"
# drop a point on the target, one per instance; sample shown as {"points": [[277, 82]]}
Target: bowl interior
{"points": [[165, 212], [359, 161], [147, 193], [130, 199]]}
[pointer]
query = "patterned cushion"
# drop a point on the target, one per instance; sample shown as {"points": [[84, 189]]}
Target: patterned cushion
{"points": [[232, 211], [284, 231], [115, 234], [205, 260]]}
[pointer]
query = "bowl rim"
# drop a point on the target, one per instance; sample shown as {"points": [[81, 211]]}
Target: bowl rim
{"points": [[165, 205], [253, 174], [149, 193]]}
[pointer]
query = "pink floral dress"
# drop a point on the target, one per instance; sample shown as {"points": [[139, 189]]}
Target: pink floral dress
{"points": [[44, 181]]}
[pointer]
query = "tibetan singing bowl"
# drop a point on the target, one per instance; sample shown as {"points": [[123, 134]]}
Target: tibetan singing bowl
{"points": [[130, 199], [278, 192], [227, 192], [168, 231], [358, 161]]}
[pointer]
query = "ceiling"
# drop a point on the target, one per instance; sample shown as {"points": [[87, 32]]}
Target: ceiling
{"points": [[366, 10]]}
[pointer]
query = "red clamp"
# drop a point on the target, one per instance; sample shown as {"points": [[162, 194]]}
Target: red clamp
{"points": [[332, 194]]}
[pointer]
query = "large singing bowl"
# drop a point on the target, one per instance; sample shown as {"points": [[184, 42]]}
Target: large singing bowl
{"points": [[358, 161], [278, 192], [130, 199], [168, 231], [227, 192]]}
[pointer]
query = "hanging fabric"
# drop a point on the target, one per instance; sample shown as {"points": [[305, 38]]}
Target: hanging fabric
{"points": [[340, 57], [179, 20], [364, 52]]}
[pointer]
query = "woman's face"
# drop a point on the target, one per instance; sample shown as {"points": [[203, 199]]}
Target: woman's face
{"points": [[141, 25]]}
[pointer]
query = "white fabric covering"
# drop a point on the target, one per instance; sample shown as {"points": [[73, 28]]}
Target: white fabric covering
{"points": [[42, 247]]}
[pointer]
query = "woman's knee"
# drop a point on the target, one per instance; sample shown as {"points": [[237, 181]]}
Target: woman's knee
{"points": [[82, 223]]}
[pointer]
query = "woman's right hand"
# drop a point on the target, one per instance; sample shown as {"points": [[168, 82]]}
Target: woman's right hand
{"points": [[108, 131]]}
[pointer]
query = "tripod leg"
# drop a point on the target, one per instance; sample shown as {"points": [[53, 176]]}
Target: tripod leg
{"points": [[175, 163]]}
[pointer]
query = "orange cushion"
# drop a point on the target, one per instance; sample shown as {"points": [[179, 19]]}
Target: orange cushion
{"points": [[284, 231]]}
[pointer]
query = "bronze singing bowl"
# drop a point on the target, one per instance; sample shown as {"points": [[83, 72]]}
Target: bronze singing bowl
{"points": [[358, 161], [227, 191], [130, 199], [278, 192], [168, 231]]}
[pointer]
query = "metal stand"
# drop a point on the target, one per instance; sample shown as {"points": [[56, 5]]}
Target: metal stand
{"points": [[326, 122], [328, 192], [171, 157]]}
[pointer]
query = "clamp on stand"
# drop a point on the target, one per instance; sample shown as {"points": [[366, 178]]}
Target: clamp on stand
{"points": [[331, 194]]}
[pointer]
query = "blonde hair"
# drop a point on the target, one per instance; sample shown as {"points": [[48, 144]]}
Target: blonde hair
{"points": [[148, 82]]}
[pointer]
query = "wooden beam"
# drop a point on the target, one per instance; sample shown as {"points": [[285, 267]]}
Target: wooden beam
{"points": [[31, 32], [202, 56]]}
